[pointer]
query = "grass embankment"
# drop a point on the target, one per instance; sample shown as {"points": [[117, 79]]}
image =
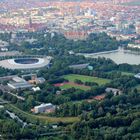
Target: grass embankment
{"points": [[43, 118], [127, 73]]}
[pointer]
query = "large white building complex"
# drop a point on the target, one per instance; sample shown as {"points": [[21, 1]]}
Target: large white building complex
{"points": [[44, 108]]}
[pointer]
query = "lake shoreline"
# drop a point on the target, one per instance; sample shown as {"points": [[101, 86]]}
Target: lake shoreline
{"points": [[112, 51], [119, 56]]}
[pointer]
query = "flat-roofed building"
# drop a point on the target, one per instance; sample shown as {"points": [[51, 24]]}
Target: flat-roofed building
{"points": [[44, 108], [18, 79], [114, 91], [20, 85]]}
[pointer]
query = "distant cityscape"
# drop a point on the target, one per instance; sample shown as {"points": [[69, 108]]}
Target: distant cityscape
{"points": [[73, 19]]}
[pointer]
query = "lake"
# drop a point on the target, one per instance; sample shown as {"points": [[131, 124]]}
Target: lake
{"points": [[119, 56]]}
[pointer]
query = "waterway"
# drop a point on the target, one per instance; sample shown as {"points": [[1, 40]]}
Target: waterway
{"points": [[119, 56]]}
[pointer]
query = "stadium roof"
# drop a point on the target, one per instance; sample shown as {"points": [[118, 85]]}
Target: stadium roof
{"points": [[11, 64]]}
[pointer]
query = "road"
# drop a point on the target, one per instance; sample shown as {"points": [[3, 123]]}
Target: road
{"points": [[18, 97], [6, 89], [3, 101]]}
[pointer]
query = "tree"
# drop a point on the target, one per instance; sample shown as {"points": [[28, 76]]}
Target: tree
{"points": [[135, 126]]}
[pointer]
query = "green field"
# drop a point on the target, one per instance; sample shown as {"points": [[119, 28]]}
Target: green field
{"points": [[134, 3], [67, 86], [83, 78]]}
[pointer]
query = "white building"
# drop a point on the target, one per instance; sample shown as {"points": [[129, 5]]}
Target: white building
{"points": [[114, 91], [3, 46], [36, 89], [44, 108], [134, 46], [137, 76]]}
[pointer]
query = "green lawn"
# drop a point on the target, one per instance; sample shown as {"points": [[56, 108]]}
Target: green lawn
{"points": [[67, 86], [83, 78]]}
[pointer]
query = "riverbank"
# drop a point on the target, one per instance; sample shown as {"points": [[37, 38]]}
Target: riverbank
{"points": [[119, 56], [112, 51], [98, 53]]}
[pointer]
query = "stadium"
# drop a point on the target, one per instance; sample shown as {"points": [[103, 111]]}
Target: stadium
{"points": [[25, 63]]}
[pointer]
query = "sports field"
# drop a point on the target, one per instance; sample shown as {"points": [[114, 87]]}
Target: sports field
{"points": [[83, 78], [72, 77], [68, 85]]}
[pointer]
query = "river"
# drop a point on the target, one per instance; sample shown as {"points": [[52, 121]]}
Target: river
{"points": [[119, 56]]}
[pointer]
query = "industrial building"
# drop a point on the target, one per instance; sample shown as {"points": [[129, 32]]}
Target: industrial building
{"points": [[19, 83]]}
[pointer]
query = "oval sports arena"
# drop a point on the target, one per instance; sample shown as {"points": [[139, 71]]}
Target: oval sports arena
{"points": [[25, 63]]}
